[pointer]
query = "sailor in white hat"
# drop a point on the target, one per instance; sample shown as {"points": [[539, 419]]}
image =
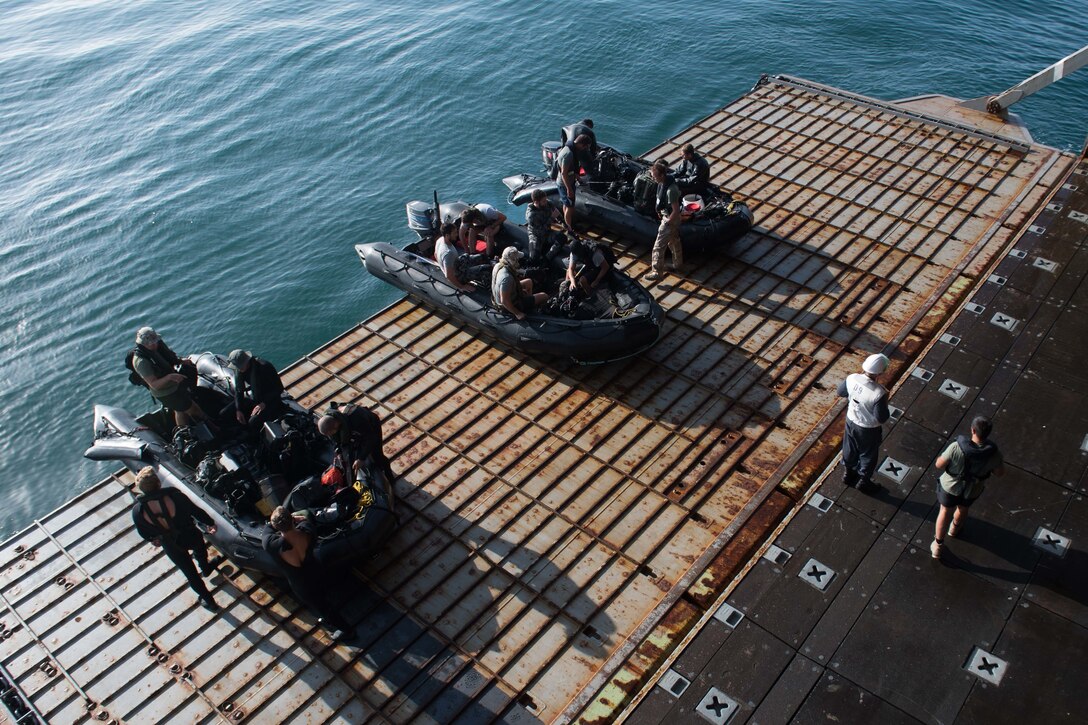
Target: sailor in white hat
{"points": [[866, 411]]}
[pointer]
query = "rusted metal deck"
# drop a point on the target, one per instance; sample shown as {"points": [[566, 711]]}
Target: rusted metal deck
{"points": [[564, 527]]}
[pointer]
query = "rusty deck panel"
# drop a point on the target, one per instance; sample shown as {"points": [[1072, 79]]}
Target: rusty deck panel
{"points": [[563, 526]]}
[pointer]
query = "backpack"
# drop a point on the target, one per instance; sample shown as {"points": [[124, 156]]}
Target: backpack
{"points": [[133, 376]]}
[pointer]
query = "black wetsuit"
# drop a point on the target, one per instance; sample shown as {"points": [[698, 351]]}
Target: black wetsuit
{"points": [[307, 581], [360, 438], [265, 387], [181, 541], [693, 176]]}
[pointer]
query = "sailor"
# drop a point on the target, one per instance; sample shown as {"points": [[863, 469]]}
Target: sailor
{"points": [[539, 215], [965, 465], [584, 127], [356, 431], [587, 266], [266, 389], [166, 375], [566, 179], [167, 518], [481, 220], [693, 174], [290, 540], [668, 232], [509, 291], [448, 255], [866, 411]]}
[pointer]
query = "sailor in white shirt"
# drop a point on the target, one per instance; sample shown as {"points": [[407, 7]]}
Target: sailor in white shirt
{"points": [[866, 411]]}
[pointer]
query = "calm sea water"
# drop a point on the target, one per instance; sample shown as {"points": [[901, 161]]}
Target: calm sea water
{"points": [[206, 167]]}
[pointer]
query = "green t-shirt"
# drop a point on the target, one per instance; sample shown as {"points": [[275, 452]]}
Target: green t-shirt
{"points": [[952, 478], [146, 370]]}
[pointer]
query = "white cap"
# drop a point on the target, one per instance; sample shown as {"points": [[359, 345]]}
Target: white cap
{"points": [[511, 254], [875, 364]]}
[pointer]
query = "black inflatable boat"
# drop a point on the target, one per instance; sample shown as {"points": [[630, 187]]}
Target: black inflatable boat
{"points": [[618, 194], [238, 476], [619, 320]]}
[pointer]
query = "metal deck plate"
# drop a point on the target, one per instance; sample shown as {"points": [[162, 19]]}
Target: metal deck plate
{"points": [[923, 675], [790, 608], [837, 698], [1054, 452], [1060, 584], [744, 669], [1043, 651]]}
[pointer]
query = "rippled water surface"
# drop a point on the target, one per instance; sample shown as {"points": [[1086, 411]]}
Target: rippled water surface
{"points": [[206, 167]]}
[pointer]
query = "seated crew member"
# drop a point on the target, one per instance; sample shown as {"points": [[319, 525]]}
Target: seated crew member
{"points": [[509, 291], [484, 220], [566, 178], [263, 382], [539, 214], [587, 266], [160, 368], [356, 431], [290, 541], [447, 254], [693, 174], [568, 133], [167, 518]]}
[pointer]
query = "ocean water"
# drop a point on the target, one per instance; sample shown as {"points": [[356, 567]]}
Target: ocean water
{"points": [[205, 168]]}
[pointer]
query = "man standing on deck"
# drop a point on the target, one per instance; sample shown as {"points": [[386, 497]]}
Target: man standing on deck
{"points": [[167, 518], [668, 233], [965, 465], [567, 163], [866, 411]]}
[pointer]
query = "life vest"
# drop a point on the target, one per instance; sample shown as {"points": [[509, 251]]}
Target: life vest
{"points": [[163, 360], [568, 133], [663, 205]]}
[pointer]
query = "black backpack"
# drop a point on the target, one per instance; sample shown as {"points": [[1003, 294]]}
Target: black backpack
{"points": [[133, 376]]}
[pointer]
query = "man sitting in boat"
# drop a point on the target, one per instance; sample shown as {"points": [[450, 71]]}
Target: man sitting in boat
{"points": [[693, 174], [539, 215], [356, 431], [481, 220], [291, 541], [260, 377], [587, 266], [166, 376], [509, 291], [448, 256]]}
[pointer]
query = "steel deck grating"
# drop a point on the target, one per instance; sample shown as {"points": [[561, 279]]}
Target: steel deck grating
{"points": [[552, 514]]}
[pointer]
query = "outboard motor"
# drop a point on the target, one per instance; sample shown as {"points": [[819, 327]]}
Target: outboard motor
{"points": [[421, 219], [548, 151]]}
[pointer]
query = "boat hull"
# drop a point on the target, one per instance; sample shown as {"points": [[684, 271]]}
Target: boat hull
{"points": [[586, 341]]}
